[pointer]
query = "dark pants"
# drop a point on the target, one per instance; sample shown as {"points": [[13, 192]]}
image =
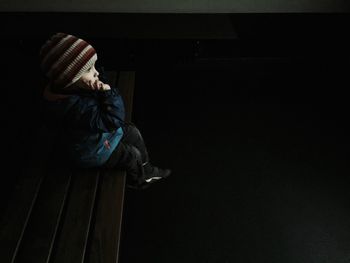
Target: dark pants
{"points": [[130, 154]]}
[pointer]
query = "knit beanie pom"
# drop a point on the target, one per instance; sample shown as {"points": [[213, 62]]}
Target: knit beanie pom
{"points": [[65, 58]]}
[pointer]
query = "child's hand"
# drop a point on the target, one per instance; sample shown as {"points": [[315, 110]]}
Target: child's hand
{"points": [[99, 85]]}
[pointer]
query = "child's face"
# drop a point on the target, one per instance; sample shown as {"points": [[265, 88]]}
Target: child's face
{"points": [[88, 78]]}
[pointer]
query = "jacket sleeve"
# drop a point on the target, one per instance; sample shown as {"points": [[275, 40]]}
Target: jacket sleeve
{"points": [[102, 111]]}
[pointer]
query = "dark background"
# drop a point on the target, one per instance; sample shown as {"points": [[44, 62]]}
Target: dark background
{"points": [[254, 127]]}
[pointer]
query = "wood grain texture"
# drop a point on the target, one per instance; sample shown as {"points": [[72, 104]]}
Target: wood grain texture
{"points": [[42, 226], [14, 219], [70, 245]]}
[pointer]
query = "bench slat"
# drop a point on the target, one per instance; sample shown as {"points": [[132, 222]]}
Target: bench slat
{"points": [[72, 239], [44, 219], [105, 238], [126, 85], [106, 232], [15, 218]]}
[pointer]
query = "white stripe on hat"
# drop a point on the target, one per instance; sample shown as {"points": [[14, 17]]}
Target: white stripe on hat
{"points": [[77, 60], [89, 63], [66, 54], [54, 49], [83, 69]]}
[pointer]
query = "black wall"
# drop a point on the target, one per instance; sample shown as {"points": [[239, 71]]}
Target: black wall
{"points": [[307, 54]]}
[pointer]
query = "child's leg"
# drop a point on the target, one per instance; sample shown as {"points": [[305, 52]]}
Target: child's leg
{"points": [[128, 157], [132, 136], [131, 154]]}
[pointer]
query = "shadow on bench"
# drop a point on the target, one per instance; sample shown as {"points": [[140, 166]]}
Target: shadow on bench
{"points": [[66, 215]]}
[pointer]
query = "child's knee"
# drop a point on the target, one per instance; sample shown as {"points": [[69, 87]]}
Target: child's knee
{"points": [[135, 131]]}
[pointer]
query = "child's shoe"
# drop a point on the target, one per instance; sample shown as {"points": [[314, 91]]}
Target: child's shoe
{"points": [[153, 173]]}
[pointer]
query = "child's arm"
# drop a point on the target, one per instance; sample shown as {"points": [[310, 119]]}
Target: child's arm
{"points": [[101, 111]]}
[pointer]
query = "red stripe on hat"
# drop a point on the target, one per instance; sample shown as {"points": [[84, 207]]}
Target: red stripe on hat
{"points": [[52, 59], [61, 67], [82, 62]]}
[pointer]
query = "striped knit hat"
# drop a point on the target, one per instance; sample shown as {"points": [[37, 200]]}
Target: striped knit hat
{"points": [[64, 58]]}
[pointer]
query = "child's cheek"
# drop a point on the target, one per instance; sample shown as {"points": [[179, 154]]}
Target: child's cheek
{"points": [[89, 84]]}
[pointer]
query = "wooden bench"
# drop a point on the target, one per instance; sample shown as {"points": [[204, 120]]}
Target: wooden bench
{"points": [[65, 215]]}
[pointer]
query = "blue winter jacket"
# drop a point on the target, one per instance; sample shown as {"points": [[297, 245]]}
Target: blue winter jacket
{"points": [[89, 123]]}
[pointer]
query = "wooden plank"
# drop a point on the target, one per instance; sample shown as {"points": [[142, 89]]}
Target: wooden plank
{"points": [[15, 218], [126, 84], [105, 236], [105, 239], [111, 76], [42, 226], [72, 239]]}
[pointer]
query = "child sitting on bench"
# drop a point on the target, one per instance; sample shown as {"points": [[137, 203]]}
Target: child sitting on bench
{"points": [[90, 114]]}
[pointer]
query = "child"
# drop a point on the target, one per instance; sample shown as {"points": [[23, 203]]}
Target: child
{"points": [[90, 113]]}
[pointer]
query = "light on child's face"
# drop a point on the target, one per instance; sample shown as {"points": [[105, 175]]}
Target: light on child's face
{"points": [[88, 77]]}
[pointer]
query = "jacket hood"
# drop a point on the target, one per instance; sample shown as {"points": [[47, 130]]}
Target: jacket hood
{"points": [[51, 96]]}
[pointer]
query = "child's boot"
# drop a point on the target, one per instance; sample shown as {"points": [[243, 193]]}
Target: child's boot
{"points": [[153, 173]]}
